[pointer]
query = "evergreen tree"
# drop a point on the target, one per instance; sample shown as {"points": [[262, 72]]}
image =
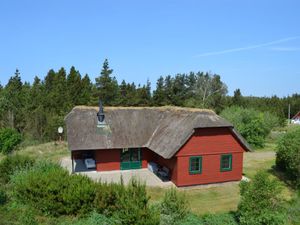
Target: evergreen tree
{"points": [[143, 95], [132, 95], [123, 93], [12, 101], [168, 89], [36, 119], [237, 98], [107, 85], [85, 91], [73, 86], [179, 90], [159, 93]]}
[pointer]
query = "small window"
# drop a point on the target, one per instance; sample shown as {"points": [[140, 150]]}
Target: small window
{"points": [[195, 165], [226, 162]]}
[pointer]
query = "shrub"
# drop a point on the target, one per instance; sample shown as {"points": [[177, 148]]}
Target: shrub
{"points": [[51, 189], [191, 219], [288, 156], [12, 163], [294, 210], [79, 195], [261, 202], [107, 198], [129, 204], [174, 207], [9, 140], [134, 205], [93, 219], [253, 125], [219, 219], [27, 217], [3, 196]]}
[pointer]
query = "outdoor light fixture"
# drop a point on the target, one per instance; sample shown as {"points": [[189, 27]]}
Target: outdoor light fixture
{"points": [[102, 127]]}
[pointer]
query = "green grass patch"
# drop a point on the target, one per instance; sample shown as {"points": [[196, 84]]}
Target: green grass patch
{"points": [[48, 151], [203, 200]]}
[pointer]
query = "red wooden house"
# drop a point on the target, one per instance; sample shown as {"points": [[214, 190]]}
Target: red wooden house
{"points": [[196, 145]]}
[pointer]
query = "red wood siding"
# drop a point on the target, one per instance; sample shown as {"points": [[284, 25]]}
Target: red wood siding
{"points": [[107, 160], [210, 143]]}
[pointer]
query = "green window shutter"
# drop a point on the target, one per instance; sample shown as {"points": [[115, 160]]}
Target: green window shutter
{"points": [[226, 162], [195, 165]]}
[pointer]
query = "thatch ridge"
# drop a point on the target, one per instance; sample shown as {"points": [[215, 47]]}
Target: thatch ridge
{"points": [[160, 108]]}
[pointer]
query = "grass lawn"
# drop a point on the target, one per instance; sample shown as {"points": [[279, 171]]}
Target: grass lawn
{"points": [[202, 200]]}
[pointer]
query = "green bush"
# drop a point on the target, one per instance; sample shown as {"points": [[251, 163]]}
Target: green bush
{"points": [[93, 219], [192, 219], [134, 205], [9, 140], [129, 204], [261, 202], [27, 217], [294, 210], [174, 207], [253, 125], [288, 156], [79, 195], [13, 163], [107, 198], [219, 219], [50, 188], [3, 196]]}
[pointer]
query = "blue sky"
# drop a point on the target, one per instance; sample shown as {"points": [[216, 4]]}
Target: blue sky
{"points": [[253, 45]]}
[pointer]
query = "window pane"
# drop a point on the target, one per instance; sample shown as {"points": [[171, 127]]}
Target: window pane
{"points": [[125, 155], [195, 164], [135, 155], [226, 163]]}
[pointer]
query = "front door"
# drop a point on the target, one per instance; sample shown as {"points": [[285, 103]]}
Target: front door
{"points": [[131, 159]]}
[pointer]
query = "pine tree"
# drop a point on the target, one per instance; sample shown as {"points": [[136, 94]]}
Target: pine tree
{"points": [[159, 93], [36, 119], [237, 98], [123, 93], [85, 91], [107, 85], [74, 87], [13, 97]]}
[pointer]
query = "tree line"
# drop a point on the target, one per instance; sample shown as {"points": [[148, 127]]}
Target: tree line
{"points": [[37, 109]]}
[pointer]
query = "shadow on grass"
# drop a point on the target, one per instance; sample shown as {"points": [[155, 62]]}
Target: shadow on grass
{"points": [[275, 171]]}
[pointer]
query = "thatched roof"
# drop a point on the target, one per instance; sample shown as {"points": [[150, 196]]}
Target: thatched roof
{"points": [[162, 129]]}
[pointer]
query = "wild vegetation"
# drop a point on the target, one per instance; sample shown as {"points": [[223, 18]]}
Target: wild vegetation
{"points": [[252, 124], [288, 156], [36, 110], [261, 202], [34, 189], [39, 192]]}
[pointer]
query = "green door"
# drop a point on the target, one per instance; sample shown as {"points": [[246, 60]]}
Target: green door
{"points": [[131, 159]]}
